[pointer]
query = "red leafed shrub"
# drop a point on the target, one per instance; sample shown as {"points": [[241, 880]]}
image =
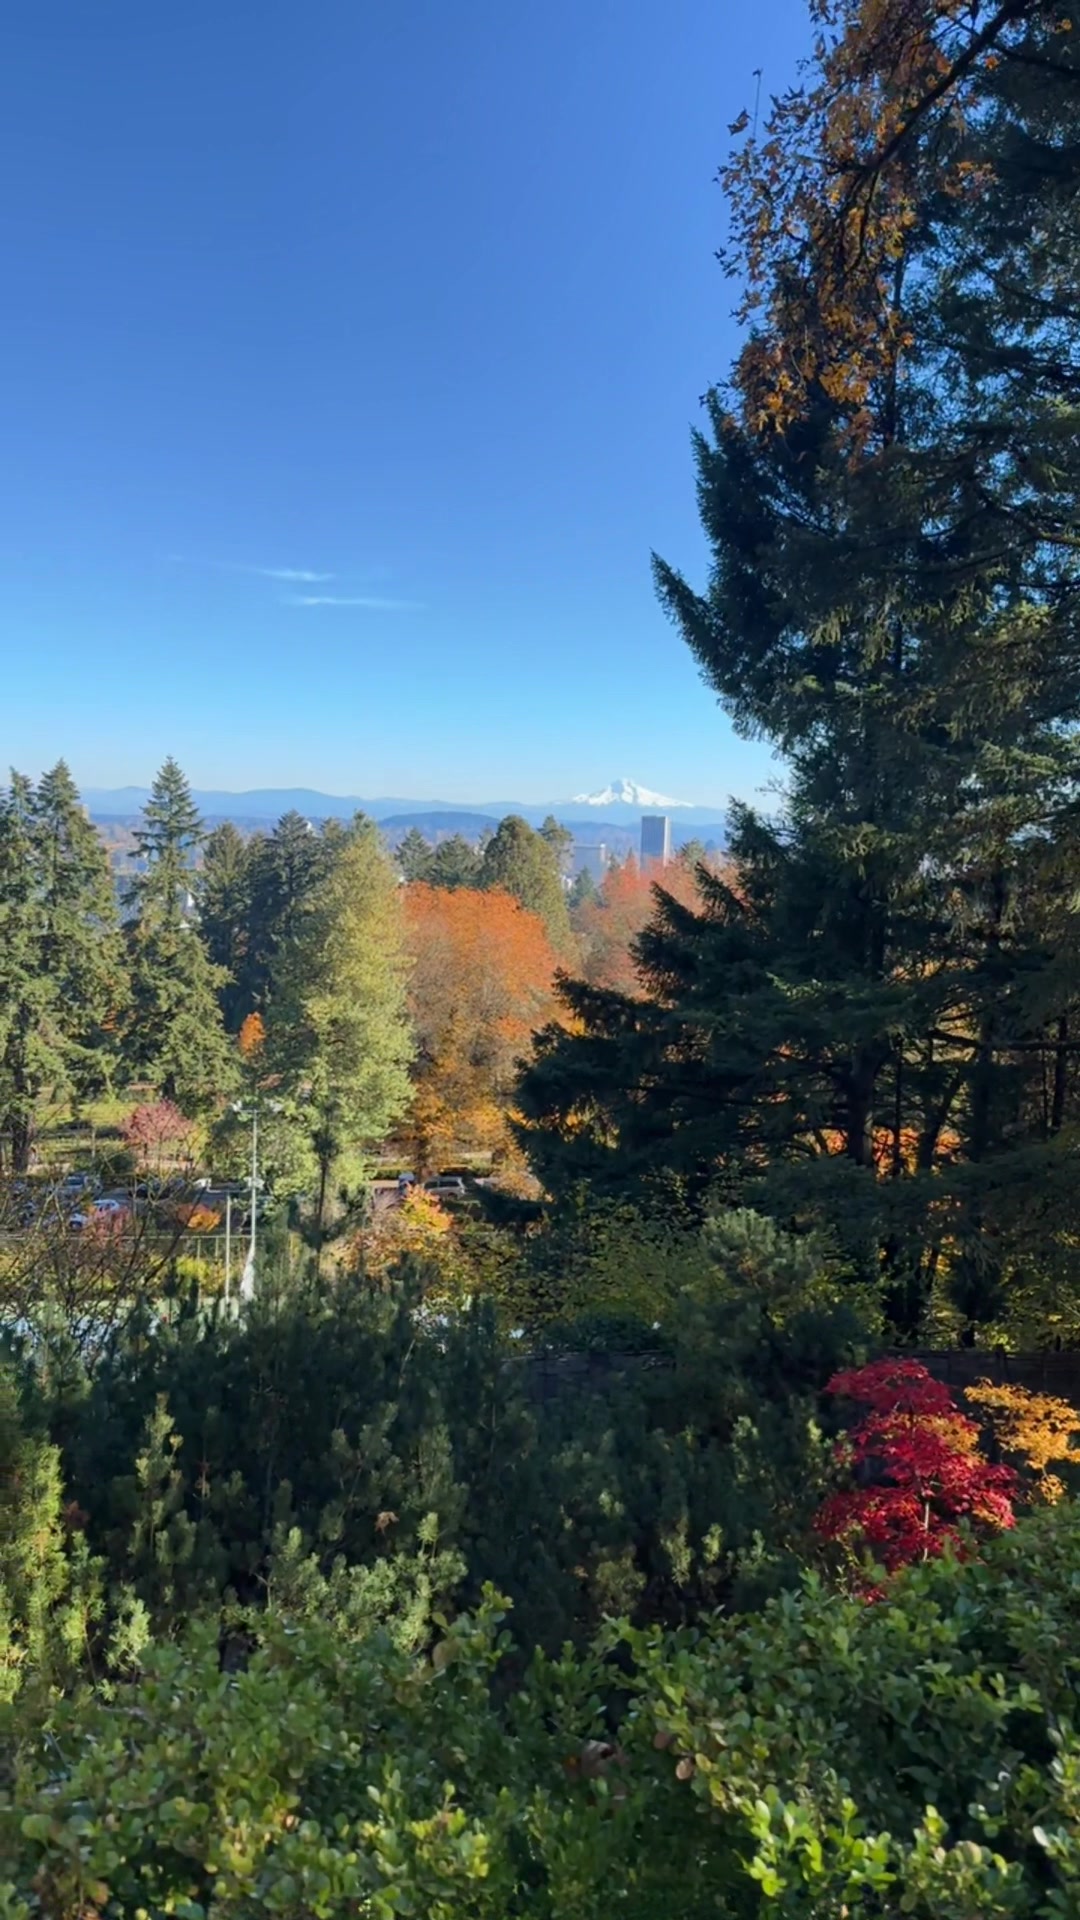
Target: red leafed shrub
{"points": [[918, 1471]]}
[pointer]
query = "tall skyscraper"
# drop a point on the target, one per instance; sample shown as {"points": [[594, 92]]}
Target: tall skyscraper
{"points": [[655, 837]]}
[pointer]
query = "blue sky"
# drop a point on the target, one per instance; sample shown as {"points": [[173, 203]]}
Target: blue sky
{"points": [[350, 354]]}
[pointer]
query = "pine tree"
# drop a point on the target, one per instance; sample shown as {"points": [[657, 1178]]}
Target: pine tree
{"points": [[30, 1050], [523, 863], [583, 891], [61, 977], [414, 856], [82, 953], [560, 840], [50, 1589], [287, 870], [454, 863], [166, 845], [174, 1035], [223, 893]]}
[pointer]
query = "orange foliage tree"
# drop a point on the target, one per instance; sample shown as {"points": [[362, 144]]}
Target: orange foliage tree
{"points": [[827, 199], [482, 983], [251, 1038], [610, 923]]}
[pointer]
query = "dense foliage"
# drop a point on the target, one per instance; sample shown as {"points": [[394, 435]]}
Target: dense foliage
{"points": [[340, 1426], [823, 1757]]}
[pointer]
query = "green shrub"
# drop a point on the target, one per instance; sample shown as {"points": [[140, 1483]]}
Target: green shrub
{"points": [[821, 1758]]}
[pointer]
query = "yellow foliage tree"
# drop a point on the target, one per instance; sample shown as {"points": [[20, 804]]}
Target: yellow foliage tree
{"points": [[1037, 1427]]}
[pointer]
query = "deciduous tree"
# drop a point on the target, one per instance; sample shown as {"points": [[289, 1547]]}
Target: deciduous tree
{"points": [[609, 925], [481, 984], [919, 1473]]}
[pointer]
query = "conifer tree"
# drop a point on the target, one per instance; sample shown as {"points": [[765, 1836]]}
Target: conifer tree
{"points": [[82, 952], [560, 840], [414, 856], [223, 893], [174, 1035], [30, 1055], [61, 973], [454, 863], [166, 845], [872, 1027], [287, 867], [524, 863]]}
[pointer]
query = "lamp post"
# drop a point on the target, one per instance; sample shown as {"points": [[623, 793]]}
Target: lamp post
{"points": [[249, 1110], [228, 1244]]}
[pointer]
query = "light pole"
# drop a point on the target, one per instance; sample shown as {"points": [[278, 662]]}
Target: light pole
{"points": [[228, 1244], [251, 1112], [247, 1276]]}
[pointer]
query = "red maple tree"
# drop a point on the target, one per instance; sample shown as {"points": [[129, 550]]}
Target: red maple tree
{"points": [[919, 1475]]}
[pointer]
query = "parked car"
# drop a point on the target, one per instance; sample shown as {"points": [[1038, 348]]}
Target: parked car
{"points": [[446, 1186], [102, 1213], [74, 1185]]}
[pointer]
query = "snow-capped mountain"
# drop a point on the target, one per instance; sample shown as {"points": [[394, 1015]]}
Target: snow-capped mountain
{"points": [[627, 793]]}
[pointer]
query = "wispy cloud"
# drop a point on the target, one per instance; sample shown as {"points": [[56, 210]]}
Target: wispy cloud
{"points": [[299, 576], [370, 602], [289, 573]]}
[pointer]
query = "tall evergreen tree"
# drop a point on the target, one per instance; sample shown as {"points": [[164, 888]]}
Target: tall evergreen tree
{"points": [[560, 840], [224, 897], [29, 1042], [166, 844], [287, 869], [82, 952], [61, 977], [872, 1028], [454, 863], [583, 890], [414, 856], [524, 863], [174, 1035]]}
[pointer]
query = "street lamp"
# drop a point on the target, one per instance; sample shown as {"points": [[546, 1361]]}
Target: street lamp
{"points": [[249, 1110]]}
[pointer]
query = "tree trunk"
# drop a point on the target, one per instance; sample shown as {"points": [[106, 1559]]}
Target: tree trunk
{"points": [[1061, 1061], [22, 1140], [320, 1211]]}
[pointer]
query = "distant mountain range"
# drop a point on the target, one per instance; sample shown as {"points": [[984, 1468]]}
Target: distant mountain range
{"points": [[621, 805]]}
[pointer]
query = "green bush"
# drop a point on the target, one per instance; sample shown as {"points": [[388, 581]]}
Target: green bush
{"points": [[336, 1419], [821, 1758]]}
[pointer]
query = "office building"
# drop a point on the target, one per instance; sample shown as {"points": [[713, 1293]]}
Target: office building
{"points": [[590, 859], [655, 838]]}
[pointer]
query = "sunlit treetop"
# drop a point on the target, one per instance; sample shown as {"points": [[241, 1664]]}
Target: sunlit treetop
{"points": [[826, 200]]}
